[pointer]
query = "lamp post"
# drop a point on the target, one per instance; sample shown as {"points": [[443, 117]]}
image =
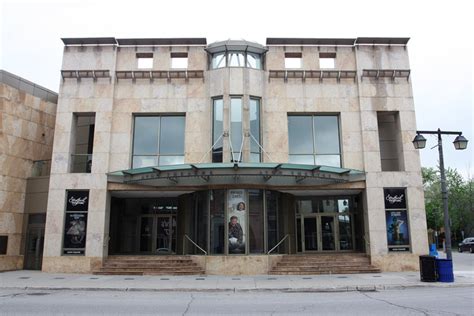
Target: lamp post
{"points": [[460, 143]]}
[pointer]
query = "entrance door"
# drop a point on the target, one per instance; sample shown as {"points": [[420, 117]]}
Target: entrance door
{"points": [[157, 234], [318, 233], [327, 233], [34, 247]]}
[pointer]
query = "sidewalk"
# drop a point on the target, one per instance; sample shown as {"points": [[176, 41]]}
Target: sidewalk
{"points": [[35, 280]]}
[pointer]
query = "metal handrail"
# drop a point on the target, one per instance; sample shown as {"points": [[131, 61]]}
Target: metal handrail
{"points": [[196, 245], [280, 242]]}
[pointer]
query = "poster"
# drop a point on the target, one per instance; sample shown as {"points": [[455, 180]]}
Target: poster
{"points": [[397, 230], [395, 198], [75, 223], [237, 221]]}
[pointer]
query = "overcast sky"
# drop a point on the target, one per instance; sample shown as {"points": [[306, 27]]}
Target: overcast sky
{"points": [[440, 48]]}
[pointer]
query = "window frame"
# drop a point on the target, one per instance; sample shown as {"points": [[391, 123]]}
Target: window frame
{"points": [[174, 56], [327, 56], [259, 139], [144, 56], [158, 155], [294, 56], [314, 153], [213, 101]]}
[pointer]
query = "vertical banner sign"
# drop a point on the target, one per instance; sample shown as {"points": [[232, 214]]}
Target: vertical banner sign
{"points": [[237, 221], [396, 218], [75, 224]]}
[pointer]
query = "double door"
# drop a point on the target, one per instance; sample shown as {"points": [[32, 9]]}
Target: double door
{"points": [[157, 234], [321, 232]]}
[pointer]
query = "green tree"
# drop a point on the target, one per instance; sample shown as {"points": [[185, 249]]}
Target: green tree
{"points": [[460, 201]]}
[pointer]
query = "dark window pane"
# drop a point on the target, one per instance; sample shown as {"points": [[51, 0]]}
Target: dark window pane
{"points": [[272, 219], [256, 221], [255, 130], [326, 140], [310, 233], [345, 232], [172, 135], [217, 205], [145, 137], [300, 133]]}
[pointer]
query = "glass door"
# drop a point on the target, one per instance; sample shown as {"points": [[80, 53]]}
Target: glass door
{"points": [[165, 234], [310, 232], [146, 233], [34, 248], [327, 232]]}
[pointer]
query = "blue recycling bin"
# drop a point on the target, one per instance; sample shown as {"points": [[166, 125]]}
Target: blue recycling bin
{"points": [[445, 270]]}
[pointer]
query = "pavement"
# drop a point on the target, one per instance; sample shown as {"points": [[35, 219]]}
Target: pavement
{"points": [[37, 280]]}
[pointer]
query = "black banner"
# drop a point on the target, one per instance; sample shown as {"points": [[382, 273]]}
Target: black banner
{"points": [[395, 199], [75, 223], [77, 201]]}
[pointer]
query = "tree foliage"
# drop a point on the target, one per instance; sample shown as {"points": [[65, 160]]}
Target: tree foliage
{"points": [[460, 201]]}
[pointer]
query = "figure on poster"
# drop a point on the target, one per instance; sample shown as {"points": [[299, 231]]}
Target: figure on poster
{"points": [[397, 229], [236, 234], [241, 206], [77, 231]]}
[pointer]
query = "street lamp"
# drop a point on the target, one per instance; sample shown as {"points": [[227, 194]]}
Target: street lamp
{"points": [[460, 143]]}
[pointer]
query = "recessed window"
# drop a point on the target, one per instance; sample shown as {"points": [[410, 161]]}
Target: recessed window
{"points": [[293, 60], [391, 149], [254, 109], [3, 245], [145, 60], [179, 60], [158, 140], [314, 139], [217, 129], [327, 60], [236, 136], [83, 143]]}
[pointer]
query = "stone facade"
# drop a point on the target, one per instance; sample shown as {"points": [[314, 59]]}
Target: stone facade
{"points": [[27, 120], [115, 102]]}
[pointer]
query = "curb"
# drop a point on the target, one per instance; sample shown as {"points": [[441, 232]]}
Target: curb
{"points": [[364, 288]]}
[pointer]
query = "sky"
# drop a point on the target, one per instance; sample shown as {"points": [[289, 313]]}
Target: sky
{"points": [[440, 48]]}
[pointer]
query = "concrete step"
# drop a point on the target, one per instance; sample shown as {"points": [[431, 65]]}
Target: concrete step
{"points": [[149, 265]]}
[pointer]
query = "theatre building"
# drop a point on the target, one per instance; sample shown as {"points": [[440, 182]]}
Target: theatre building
{"points": [[174, 156]]}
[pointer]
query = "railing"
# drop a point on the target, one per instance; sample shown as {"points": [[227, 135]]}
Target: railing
{"points": [[41, 168], [287, 237], [196, 245], [81, 163]]}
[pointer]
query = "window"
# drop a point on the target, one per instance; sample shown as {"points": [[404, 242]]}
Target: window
{"points": [[314, 140], [217, 130], [144, 60], [236, 137], [254, 61], [218, 61], [83, 143], [217, 229], [158, 140], [3, 245], [179, 60], [255, 155], [293, 60], [327, 60], [256, 221], [236, 59], [391, 152]]}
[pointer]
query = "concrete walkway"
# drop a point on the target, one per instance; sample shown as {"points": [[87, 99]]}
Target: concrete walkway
{"points": [[35, 280]]}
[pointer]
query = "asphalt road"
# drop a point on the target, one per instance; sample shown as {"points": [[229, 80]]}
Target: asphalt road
{"points": [[420, 301]]}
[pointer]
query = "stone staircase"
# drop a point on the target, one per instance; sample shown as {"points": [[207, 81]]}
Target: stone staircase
{"points": [[334, 263], [149, 265]]}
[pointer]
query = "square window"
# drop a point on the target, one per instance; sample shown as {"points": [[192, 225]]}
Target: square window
{"points": [[293, 60], [327, 60], [145, 60], [179, 60]]}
